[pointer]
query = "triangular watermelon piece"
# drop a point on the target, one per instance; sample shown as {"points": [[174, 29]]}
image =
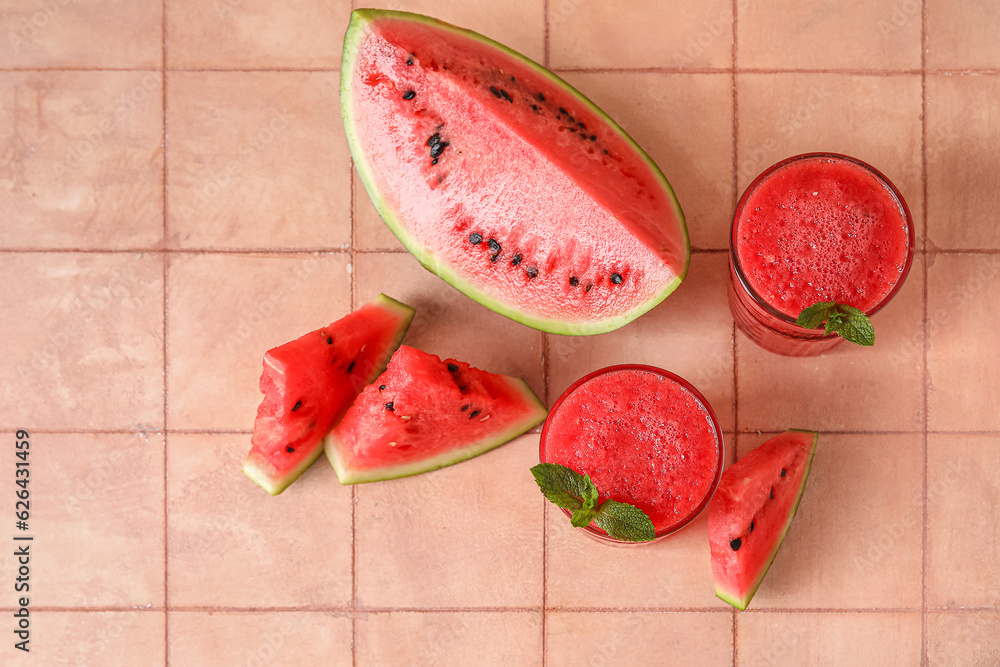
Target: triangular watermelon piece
{"points": [[310, 382], [752, 510], [424, 413]]}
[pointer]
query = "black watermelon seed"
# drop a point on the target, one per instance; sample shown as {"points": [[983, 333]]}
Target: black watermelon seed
{"points": [[582, 126], [298, 404], [475, 239], [474, 413], [593, 137], [409, 95], [496, 93], [329, 341], [532, 271], [772, 494], [583, 136], [434, 139], [534, 108], [735, 544], [517, 259], [290, 449], [606, 151], [434, 162], [453, 368], [561, 110], [541, 98], [465, 407], [409, 61], [381, 387], [506, 96], [751, 526], [589, 287], [616, 278], [350, 366], [390, 407], [574, 281], [438, 148], [513, 79], [494, 246], [783, 472]]}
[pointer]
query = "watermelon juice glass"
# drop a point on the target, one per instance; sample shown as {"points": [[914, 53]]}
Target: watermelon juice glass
{"points": [[814, 228], [645, 436]]}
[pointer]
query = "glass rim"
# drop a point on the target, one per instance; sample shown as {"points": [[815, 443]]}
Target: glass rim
{"points": [[764, 175], [686, 386]]}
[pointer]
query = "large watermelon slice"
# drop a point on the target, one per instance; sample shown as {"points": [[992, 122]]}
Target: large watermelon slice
{"points": [[752, 510], [504, 180], [310, 382], [424, 413]]}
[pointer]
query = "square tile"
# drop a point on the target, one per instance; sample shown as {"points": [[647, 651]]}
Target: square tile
{"points": [[254, 34], [448, 323], [97, 519], [370, 233], [849, 388], [636, 638], [956, 639], [257, 160], [855, 541], [260, 638], [111, 638], [89, 341], [690, 333], [225, 312], [82, 33], [963, 121], [685, 123], [450, 638], [874, 118], [830, 639], [644, 33], [824, 34], [962, 36], [675, 573], [963, 366], [230, 544], [963, 520], [84, 159], [469, 535]]}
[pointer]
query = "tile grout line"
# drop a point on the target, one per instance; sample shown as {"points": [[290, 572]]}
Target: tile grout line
{"points": [[582, 70], [546, 55], [736, 187], [926, 384], [166, 273], [353, 254]]}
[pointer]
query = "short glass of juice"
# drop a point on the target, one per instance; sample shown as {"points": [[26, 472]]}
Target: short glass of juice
{"points": [[815, 228], [645, 436]]}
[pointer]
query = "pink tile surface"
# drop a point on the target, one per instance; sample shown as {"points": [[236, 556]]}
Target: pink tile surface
{"points": [[176, 197]]}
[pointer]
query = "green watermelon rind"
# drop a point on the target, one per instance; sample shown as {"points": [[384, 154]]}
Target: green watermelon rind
{"points": [[352, 42], [734, 598], [332, 444], [256, 469]]}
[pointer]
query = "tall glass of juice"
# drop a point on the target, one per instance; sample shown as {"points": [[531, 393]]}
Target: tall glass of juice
{"points": [[645, 436], [815, 228]]}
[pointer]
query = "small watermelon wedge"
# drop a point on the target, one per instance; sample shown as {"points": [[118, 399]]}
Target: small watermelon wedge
{"points": [[752, 510], [310, 382], [424, 413]]}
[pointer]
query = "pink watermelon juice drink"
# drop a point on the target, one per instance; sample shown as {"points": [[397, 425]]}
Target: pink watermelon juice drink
{"points": [[645, 436], [815, 228]]}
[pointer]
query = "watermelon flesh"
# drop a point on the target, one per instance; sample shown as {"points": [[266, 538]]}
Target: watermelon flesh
{"points": [[504, 180], [752, 510], [424, 413], [310, 382]]}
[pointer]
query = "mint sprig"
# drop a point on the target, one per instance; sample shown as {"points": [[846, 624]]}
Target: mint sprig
{"points": [[846, 321], [575, 492]]}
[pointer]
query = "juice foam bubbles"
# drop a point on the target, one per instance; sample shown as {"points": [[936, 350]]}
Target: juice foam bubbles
{"points": [[643, 438]]}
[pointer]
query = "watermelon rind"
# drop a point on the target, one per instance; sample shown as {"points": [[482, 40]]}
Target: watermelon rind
{"points": [[262, 474], [360, 18], [349, 476], [732, 597]]}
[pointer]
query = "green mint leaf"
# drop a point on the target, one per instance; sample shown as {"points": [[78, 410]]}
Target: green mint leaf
{"points": [[582, 517], [564, 487], [848, 322], [813, 316], [624, 522]]}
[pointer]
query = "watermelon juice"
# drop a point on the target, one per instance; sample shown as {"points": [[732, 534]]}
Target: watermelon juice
{"points": [[645, 436], [815, 228]]}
